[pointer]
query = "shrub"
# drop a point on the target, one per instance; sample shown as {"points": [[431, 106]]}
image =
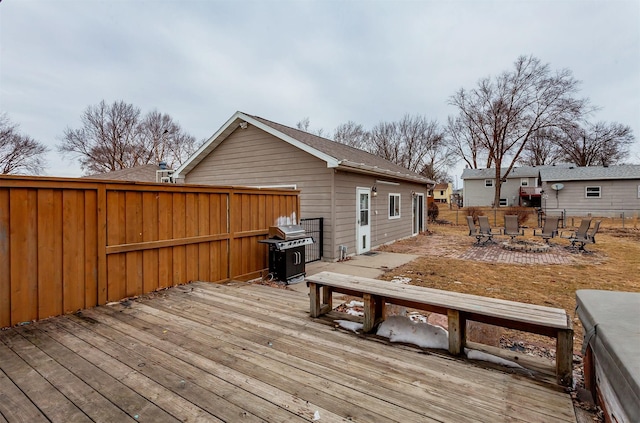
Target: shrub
{"points": [[474, 212], [521, 212], [432, 212]]}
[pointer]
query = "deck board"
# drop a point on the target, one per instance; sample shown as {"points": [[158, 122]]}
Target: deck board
{"points": [[243, 352]]}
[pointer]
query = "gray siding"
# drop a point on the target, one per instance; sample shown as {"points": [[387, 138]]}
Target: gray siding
{"points": [[476, 194], [254, 158], [617, 196], [383, 229]]}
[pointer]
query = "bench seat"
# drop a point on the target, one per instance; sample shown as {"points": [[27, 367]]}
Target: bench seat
{"points": [[458, 307]]}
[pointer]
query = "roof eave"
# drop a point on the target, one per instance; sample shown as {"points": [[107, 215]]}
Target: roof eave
{"points": [[374, 170]]}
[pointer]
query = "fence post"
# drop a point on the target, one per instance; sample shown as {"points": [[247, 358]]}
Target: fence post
{"points": [[622, 220], [495, 217]]}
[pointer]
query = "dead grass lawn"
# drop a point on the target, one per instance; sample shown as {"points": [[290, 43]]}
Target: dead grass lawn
{"points": [[614, 264]]}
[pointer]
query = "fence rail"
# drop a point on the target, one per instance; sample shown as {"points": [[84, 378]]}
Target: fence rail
{"points": [[69, 244], [612, 217]]}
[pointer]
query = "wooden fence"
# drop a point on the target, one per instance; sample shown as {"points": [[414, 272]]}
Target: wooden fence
{"points": [[69, 244]]}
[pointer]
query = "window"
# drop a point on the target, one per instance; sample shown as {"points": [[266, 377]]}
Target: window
{"points": [[524, 182], [592, 192], [488, 183], [441, 192], [394, 206], [504, 201]]}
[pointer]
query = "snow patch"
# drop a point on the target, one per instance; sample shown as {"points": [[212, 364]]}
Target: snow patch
{"points": [[403, 329], [401, 279], [349, 325], [483, 356]]}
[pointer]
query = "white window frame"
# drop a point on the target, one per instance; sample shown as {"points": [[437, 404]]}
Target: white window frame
{"points": [[488, 183], [504, 202], [592, 187], [524, 182], [396, 203]]}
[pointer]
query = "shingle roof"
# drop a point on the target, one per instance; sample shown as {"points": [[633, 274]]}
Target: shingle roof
{"points": [[144, 173], [564, 172], [335, 154], [516, 172], [590, 173]]}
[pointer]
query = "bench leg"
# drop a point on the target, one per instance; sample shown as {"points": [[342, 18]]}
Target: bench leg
{"points": [[457, 331], [314, 299], [319, 304], [564, 357], [374, 311]]}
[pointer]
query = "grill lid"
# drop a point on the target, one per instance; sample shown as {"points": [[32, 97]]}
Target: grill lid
{"points": [[286, 231]]}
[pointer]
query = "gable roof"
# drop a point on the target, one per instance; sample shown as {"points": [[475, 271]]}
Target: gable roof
{"points": [[143, 173], [336, 155]]}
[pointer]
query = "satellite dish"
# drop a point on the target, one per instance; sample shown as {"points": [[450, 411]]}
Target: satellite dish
{"points": [[557, 187]]}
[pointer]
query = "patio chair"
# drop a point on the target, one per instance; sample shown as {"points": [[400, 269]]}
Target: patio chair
{"points": [[589, 238], [549, 229], [579, 234], [473, 230], [485, 229], [511, 227]]}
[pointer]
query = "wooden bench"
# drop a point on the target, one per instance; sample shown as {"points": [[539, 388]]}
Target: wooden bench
{"points": [[458, 308]]}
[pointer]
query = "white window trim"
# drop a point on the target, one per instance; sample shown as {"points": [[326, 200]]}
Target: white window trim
{"points": [[506, 202], [393, 194], [586, 191], [490, 181], [524, 182]]}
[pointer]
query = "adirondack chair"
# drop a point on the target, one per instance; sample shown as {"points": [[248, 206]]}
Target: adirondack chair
{"points": [[511, 227], [589, 238], [549, 229], [473, 230], [485, 229]]}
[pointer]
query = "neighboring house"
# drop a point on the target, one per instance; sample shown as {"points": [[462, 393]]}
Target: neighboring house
{"points": [[364, 200], [143, 173], [442, 193], [520, 188], [597, 190]]}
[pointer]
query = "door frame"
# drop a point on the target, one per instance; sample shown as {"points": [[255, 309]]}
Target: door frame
{"points": [[417, 210], [363, 247]]}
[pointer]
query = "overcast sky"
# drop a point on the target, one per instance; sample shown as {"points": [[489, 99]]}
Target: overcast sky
{"points": [[331, 61]]}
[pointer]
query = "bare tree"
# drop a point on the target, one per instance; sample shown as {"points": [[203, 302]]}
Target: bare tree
{"points": [[415, 143], [352, 134], [506, 111], [465, 143], [19, 154], [386, 142], [305, 125], [596, 144], [162, 139], [541, 149], [114, 136]]}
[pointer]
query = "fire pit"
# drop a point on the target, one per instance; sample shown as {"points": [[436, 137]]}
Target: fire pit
{"points": [[526, 246]]}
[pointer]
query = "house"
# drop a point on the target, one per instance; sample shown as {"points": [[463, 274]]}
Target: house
{"points": [[596, 190], [142, 173], [442, 193], [521, 187], [577, 191], [364, 200]]}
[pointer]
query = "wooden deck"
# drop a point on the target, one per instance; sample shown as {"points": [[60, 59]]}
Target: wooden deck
{"points": [[206, 352]]}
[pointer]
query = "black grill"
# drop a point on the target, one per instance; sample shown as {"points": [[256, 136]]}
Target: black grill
{"points": [[287, 252]]}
